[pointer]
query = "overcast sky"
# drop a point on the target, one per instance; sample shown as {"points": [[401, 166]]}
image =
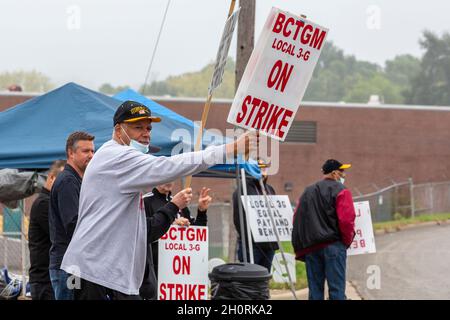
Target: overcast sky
{"points": [[96, 41]]}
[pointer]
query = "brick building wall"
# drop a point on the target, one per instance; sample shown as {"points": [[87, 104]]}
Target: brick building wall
{"points": [[383, 143], [10, 99]]}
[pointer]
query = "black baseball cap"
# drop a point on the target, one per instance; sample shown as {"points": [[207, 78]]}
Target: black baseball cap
{"points": [[330, 165], [263, 163], [131, 111]]}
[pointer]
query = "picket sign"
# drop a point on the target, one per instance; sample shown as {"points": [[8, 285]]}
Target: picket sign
{"points": [[364, 241], [277, 74], [260, 222], [183, 264]]}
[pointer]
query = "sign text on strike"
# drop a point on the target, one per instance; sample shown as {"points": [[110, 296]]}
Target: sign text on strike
{"points": [[179, 291], [268, 117]]}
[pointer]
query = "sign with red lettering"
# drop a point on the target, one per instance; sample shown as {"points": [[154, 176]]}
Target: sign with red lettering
{"points": [[277, 74], [183, 264], [364, 241]]}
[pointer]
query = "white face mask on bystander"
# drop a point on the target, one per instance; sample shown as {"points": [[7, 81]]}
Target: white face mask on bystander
{"points": [[136, 144]]}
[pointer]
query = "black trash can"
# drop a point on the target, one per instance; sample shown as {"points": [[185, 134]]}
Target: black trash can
{"points": [[243, 281]]}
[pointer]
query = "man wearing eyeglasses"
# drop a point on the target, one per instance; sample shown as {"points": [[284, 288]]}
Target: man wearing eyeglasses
{"points": [[323, 229], [108, 248]]}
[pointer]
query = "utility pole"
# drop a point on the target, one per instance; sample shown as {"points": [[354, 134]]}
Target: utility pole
{"points": [[245, 44], [246, 37]]}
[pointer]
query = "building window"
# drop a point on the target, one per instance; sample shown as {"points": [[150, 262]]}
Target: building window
{"points": [[302, 131]]}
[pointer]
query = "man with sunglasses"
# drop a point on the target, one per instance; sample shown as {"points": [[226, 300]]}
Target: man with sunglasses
{"points": [[323, 229]]}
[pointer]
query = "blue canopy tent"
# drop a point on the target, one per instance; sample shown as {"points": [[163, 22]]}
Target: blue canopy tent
{"points": [[34, 133]]}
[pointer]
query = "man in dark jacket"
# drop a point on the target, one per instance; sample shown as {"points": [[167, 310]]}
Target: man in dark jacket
{"points": [[157, 203], [39, 238], [323, 225], [263, 252], [63, 214]]}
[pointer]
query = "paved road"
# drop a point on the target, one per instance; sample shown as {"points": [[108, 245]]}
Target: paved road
{"points": [[413, 264]]}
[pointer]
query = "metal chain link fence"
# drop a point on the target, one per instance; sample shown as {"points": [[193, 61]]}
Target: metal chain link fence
{"points": [[14, 253], [406, 200], [222, 233], [432, 198]]}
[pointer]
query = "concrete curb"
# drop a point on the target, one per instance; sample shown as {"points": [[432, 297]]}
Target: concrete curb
{"points": [[287, 294], [351, 293]]}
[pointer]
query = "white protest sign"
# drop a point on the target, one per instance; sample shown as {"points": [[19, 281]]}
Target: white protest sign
{"points": [[183, 264], [222, 53], [277, 74], [280, 268], [260, 222], [364, 241]]}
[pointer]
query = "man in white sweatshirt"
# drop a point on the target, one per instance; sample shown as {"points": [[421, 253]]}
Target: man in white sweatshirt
{"points": [[108, 248]]}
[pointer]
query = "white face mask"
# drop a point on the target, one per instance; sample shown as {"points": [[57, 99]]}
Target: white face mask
{"points": [[135, 144]]}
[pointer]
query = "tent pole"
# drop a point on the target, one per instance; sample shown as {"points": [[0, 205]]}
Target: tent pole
{"points": [[23, 247], [266, 198], [241, 215], [247, 218]]}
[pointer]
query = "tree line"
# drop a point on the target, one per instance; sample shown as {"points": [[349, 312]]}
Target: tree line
{"points": [[338, 77]]}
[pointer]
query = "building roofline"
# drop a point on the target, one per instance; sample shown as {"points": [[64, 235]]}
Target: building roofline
{"points": [[19, 94], [375, 106], [303, 104], [317, 104]]}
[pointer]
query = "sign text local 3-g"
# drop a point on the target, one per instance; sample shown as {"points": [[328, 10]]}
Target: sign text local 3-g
{"points": [[183, 264], [364, 241], [260, 221], [277, 74]]}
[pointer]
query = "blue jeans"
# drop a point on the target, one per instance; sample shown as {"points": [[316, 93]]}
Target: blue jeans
{"points": [[328, 263], [59, 284], [262, 257]]}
